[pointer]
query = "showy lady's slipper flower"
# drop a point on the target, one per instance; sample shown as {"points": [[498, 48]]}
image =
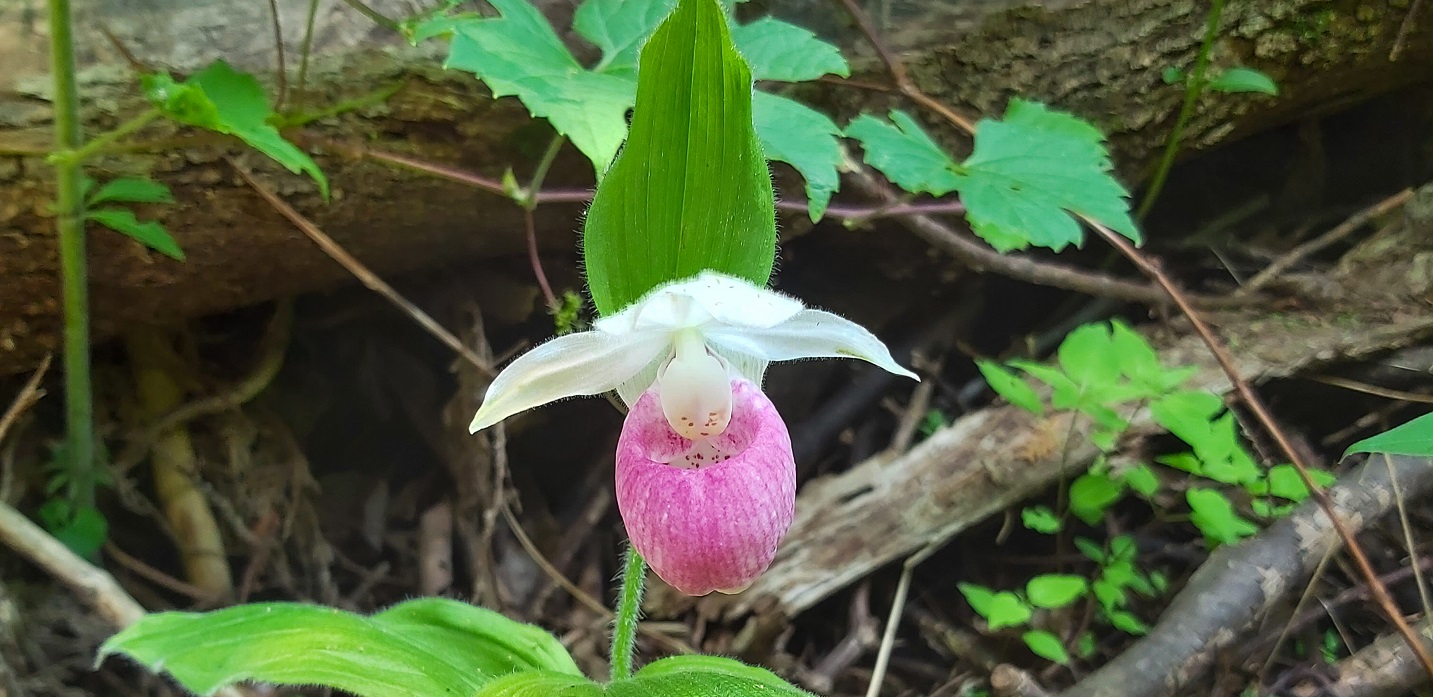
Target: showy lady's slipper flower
{"points": [[706, 482]]}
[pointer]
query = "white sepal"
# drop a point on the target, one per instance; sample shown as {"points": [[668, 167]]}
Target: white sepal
{"points": [[585, 363], [807, 334]]}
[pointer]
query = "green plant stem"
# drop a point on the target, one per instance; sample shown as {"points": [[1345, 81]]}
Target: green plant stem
{"points": [[69, 206], [75, 156], [528, 197], [1193, 87], [629, 607]]}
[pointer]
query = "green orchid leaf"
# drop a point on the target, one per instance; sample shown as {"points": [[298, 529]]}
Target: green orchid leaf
{"points": [[424, 647], [784, 52], [222, 99], [541, 684], [146, 232], [690, 189], [703, 676], [1414, 438]]}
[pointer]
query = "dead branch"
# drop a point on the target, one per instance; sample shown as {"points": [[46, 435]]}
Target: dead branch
{"points": [[1240, 583], [1385, 668]]}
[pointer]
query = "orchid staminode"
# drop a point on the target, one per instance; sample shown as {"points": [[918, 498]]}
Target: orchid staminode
{"points": [[706, 482]]}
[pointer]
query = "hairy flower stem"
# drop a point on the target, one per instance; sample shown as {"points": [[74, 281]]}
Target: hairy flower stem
{"points": [[629, 607], [69, 208]]}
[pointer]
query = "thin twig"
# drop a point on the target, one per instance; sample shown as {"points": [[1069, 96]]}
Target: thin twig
{"points": [[29, 394], [980, 257], [1266, 419], [528, 201], [893, 620], [372, 14], [1376, 390], [156, 576], [1403, 30], [1344, 229], [898, 71], [361, 272], [304, 50]]}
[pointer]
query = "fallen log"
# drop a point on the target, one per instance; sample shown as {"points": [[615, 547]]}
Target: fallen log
{"points": [[1102, 59]]}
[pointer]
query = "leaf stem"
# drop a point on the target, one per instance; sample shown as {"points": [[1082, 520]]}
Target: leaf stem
{"points": [[75, 154], [629, 607], [1193, 87], [69, 223]]}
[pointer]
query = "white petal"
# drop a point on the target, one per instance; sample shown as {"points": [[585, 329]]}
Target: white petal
{"points": [[809, 334], [576, 364], [703, 300]]}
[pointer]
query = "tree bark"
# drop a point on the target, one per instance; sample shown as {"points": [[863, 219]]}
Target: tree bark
{"points": [[1100, 58]]}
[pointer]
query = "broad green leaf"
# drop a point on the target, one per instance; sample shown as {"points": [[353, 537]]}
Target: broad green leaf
{"points": [[1187, 414], [1087, 356], [147, 232], [1141, 479], [1041, 519], [540, 684], [1414, 438], [1108, 592], [131, 190], [785, 52], [219, 98], [1029, 172], [1214, 515], [703, 676], [1236, 80], [804, 138], [1090, 549], [1127, 622], [1010, 386], [979, 597], [419, 648], [1092, 494], [1140, 363], [1046, 645], [1007, 610], [905, 153], [690, 190], [1052, 591], [1284, 482]]}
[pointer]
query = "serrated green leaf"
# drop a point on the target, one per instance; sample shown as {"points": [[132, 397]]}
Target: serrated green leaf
{"points": [[1092, 494], [1046, 645], [1214, 515], [518, 54], [1414, 438], [690, 190], [1236, 80], [1010, 386], [784, 52], [703, 676], [1029, 171], [540, 684], [424, 647], [905, 153], [1187, 414], [804, 138], [619, 27], [148, 232], [1053, 591], [131, 190], [1041, 519]]}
